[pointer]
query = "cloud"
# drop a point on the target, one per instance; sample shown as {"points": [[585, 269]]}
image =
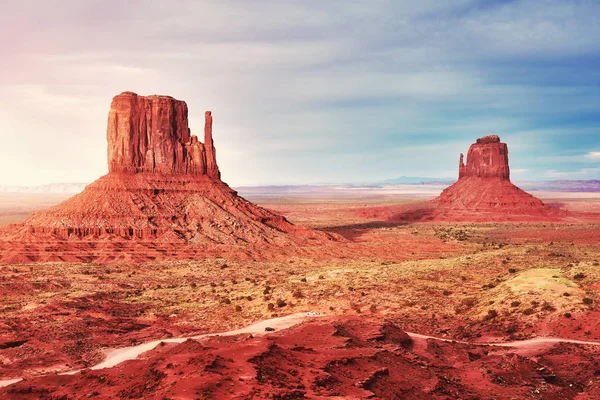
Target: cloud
{"points": [[305, 91], [593, 155], [583, 173]]}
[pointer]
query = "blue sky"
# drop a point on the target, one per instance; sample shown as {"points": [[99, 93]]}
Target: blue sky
{"points": [[307, 91]]}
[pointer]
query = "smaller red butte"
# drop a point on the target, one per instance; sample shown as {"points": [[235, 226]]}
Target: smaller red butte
{"points": [[487, 158], [484, 186]]}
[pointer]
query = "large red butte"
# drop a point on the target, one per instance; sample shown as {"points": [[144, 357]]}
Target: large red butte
{"points": [[162, 198]]}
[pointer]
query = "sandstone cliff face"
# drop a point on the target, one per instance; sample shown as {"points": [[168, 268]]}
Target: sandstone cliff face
{"points": [[484, 185], [487, 158], [163, 198], [151, 134]]}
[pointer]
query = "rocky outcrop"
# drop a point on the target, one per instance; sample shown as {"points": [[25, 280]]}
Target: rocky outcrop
{"points": [[151, 134], [163, 198], [484, 187], [212, 170], [487, 158]]}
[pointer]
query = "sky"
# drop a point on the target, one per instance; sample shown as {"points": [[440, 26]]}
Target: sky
{"points": [[305, 91]]}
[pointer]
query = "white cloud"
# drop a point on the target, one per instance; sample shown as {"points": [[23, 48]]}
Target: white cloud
{"points": [[307, 89], [583, 173], [593, 155]]}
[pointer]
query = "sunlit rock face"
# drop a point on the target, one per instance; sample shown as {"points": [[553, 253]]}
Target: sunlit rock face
{"points": [[151, 134], [487, 158], [163, 198]]}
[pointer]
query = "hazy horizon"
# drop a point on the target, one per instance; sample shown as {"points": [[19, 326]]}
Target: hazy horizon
{"points": [[307, 92]]}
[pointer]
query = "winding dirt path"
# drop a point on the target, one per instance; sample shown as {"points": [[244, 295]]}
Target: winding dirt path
{"points": [[119, 355], [529, 343]]}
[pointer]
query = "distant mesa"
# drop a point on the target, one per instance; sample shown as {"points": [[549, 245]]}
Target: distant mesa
{"points": [[162, 198], [484, 183]]}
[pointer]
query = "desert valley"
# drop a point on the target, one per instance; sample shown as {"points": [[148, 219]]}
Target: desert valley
{"points": [[160, 281]]}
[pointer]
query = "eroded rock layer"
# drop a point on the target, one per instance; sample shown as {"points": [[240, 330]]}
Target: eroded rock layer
{"points": [[484, 185], [162, 199], [487, 158], [151, 134]]}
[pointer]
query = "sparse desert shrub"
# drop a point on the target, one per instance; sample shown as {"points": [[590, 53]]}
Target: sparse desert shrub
{"points": [[512, 270], [298, 294], [373, 308], [567, 315], [249, 298], [446, 293], [579, 276], [529, 311], [238, 308], [515, 303], [281, 303], [223, 266], [511, 329], [303, 280], [321, 277], [465, 305], [193, 285], [331, 308], [491, 315], [566, 294], [270, 306], [587, 300], [548, 307]]}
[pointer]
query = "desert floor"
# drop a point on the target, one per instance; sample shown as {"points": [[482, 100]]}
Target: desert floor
{"points": [[469, 282]]}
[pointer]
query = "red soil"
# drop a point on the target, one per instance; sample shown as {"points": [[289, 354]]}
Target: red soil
{"points": [[333, 357]]}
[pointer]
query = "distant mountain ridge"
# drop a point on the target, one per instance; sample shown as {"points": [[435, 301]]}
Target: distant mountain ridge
{"points": [[50, 188], [592, 186], [562, 185], [419, 180]]}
